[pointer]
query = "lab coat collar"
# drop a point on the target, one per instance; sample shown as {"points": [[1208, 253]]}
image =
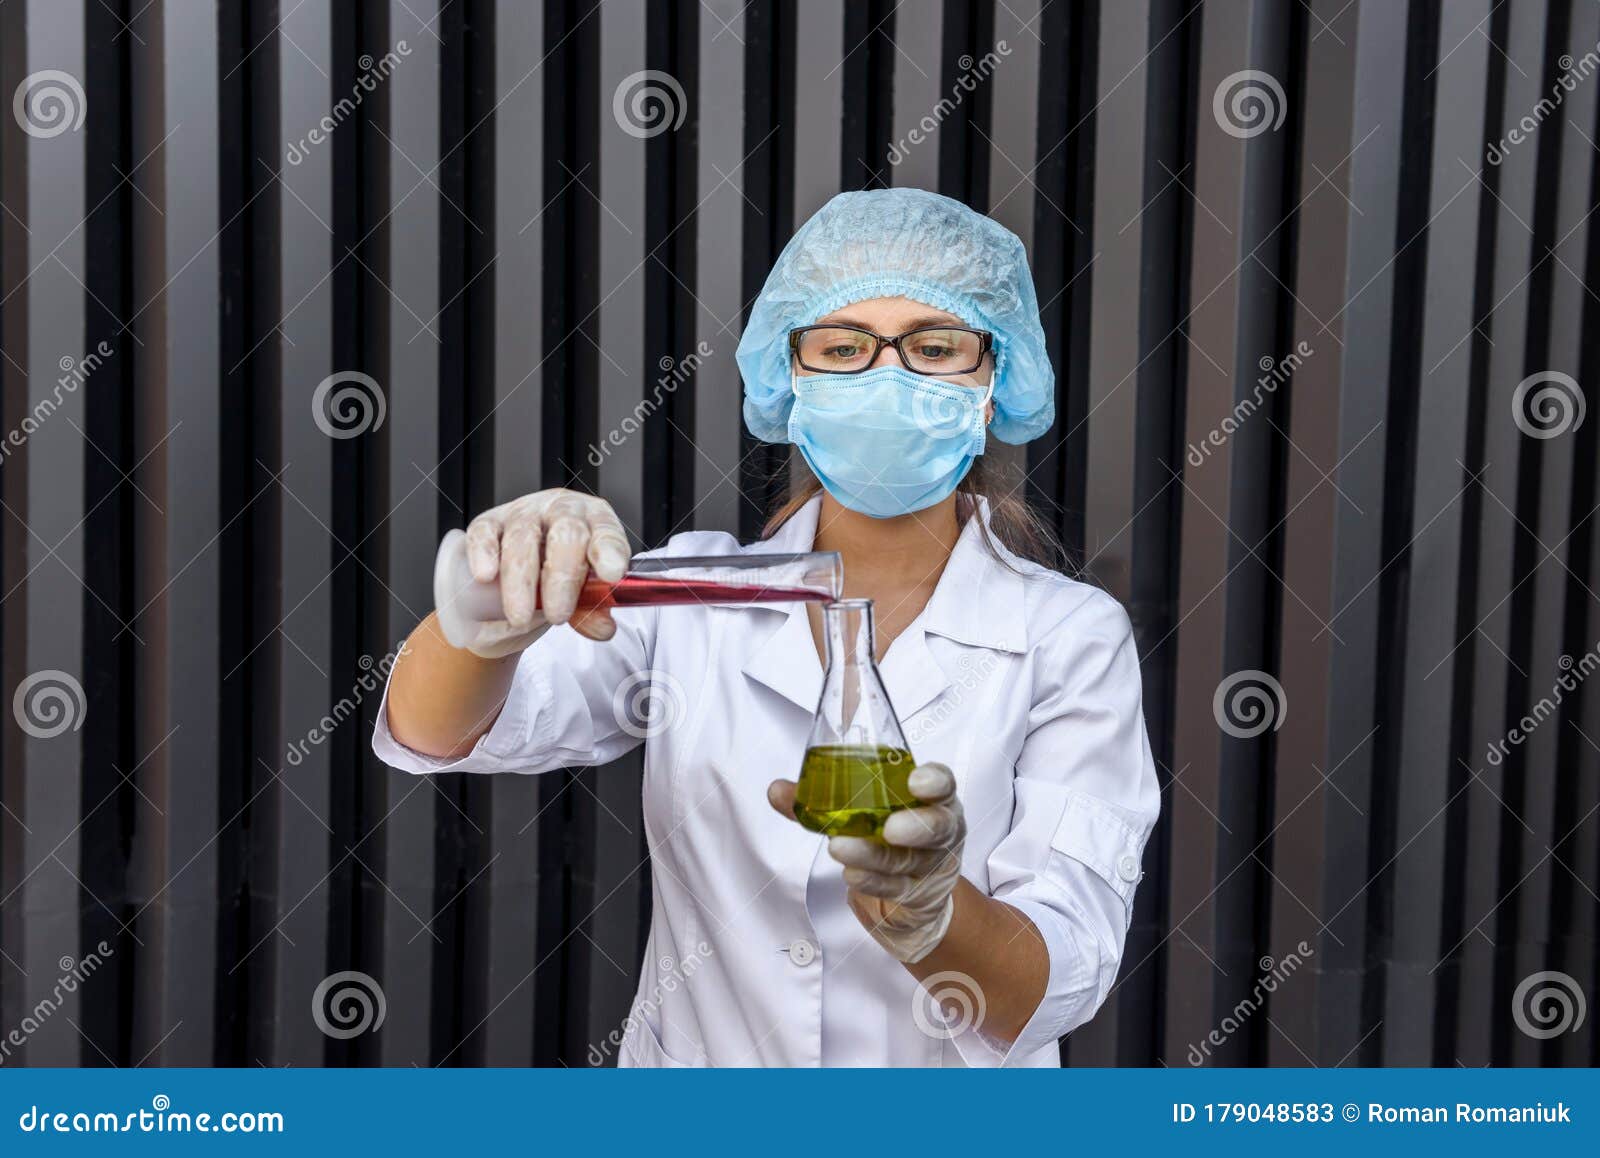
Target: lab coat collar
{"points": [[787, 660], [978, 601]]}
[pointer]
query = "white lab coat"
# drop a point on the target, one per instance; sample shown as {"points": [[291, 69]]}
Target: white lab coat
{"points": [[1025, 685]]}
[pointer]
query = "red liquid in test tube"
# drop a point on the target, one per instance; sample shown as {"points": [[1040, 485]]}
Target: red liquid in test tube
{"points": [[662, 581], [660, 591]]}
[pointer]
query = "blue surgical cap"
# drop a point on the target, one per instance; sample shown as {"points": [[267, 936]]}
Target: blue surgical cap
{"points": [[902, 243]]}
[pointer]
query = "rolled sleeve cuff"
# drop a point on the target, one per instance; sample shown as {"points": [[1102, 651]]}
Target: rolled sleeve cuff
{"points": [[503, 748], [1069, 996]]}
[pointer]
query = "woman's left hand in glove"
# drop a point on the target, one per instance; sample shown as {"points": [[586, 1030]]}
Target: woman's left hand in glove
{"points": [[900, 887]]}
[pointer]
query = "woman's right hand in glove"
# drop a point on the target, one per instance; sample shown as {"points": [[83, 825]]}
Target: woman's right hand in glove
{"points": [[541, 548]]}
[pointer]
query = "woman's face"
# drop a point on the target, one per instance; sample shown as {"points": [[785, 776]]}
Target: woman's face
{"points": [[891, 317]]}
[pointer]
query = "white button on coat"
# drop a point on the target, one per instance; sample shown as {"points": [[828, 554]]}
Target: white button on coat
{"points": [[1023, 681]]}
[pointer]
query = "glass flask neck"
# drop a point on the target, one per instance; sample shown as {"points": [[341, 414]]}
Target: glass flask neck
{"points": [[854, 708], [848, 633]]}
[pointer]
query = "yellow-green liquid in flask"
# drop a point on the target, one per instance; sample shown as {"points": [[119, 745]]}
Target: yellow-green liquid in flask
{"points": [[850, 790]]}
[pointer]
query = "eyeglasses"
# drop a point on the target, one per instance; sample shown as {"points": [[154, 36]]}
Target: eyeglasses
{"points": [[934, 350]]}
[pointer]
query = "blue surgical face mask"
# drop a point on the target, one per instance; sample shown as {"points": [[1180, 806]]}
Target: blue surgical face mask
{"points": [[887, 442]]}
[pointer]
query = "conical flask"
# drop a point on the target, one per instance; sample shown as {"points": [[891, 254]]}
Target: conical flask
{"points": [[857, 763]]}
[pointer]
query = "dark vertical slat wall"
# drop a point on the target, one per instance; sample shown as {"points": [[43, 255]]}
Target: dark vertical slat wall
{"points": [[1573, 346], [294, 935], [1435, 438], [512, 877], [1293, 265]]}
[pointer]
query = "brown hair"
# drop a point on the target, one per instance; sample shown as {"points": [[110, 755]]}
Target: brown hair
{"points": [[1020, 529]]}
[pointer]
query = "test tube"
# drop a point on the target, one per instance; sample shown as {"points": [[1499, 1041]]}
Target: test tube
{"points": [[660, 581]]}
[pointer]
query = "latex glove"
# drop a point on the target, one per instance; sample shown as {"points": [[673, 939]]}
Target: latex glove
{"points": [[542, 547], [900, 888]]}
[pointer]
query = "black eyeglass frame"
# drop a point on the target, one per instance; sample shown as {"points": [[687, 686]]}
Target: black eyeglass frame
{"points": [[985, 345]]}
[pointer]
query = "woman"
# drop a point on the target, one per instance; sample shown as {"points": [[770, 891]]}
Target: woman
{"points": [[897, 331]]}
